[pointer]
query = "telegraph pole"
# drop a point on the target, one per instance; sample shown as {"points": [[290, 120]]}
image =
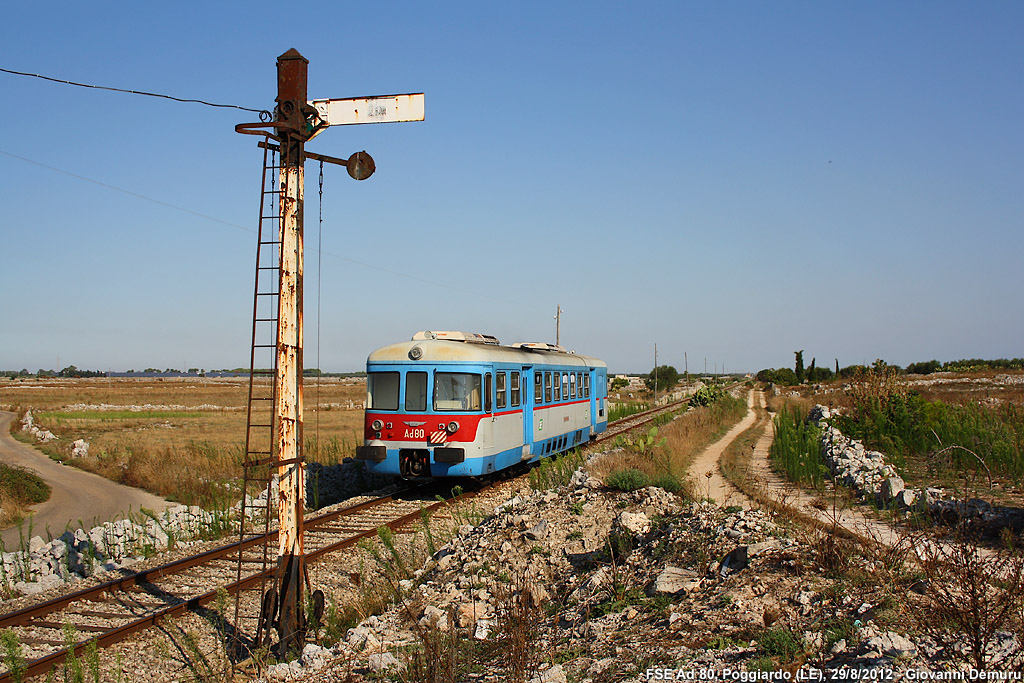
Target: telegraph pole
{"points": [[558, 326], [655, 374]]}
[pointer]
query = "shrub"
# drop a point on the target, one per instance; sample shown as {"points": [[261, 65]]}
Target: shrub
{"points": [[780, 643], [795, 450], [628, 479], [669, 482]]}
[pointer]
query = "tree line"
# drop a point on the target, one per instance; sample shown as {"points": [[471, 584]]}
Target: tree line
{"points": [[799, 374]]}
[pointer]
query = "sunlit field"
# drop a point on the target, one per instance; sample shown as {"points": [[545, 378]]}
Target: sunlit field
{"points": [[181, 438]]}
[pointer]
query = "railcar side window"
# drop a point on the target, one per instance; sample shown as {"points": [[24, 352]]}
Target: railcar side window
{"points": [[558, 388], [538, 387], [382, 390], [547, 387], [586, 385], [487, 392], [456, 391], [416, 391], [565, 386], [499, 389], [515, 389], [572, 385]]}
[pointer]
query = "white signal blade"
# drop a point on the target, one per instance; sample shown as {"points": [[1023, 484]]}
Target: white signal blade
{"points": [[381, 109]]}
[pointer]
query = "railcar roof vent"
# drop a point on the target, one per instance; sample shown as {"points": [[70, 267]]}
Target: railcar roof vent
{"points": [[540, 346], [455, 335]]}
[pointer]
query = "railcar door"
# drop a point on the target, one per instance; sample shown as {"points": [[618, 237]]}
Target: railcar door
{"points": [[589, 378], [528, 403]]}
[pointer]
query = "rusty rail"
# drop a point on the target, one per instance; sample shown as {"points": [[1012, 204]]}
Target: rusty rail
{"points": [[43, 665]]}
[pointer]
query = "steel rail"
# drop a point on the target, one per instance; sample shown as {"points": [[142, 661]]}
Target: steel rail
{"points": [[43, 665]]}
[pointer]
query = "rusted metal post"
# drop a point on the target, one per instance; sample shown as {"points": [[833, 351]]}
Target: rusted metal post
{"points": [[291, 110]]}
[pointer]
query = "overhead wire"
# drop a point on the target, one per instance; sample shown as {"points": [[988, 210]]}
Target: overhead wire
{"points": [[264, 114], [372, 266]]}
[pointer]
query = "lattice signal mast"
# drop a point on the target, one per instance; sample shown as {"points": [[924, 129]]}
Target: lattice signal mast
{"points": [[297, 120]]}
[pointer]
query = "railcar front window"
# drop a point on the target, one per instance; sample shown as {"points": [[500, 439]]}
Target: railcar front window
{"points": [[456, 391], [382, 390], [416, 391]]}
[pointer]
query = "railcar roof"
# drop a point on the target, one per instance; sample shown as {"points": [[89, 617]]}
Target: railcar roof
{"points": [[443, 351]]}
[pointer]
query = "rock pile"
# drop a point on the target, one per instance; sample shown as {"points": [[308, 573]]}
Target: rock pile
{"points": [[329, 484], [79, 553], [41, 435], [866, 472], [611, 583]]}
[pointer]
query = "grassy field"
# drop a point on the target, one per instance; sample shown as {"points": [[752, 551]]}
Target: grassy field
{"points": [[19, 488], [182, 438], [664, 455], [948, 430]]}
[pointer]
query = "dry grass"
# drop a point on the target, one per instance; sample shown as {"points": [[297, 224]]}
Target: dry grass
{"points": [[684, 437], [152, 449]]}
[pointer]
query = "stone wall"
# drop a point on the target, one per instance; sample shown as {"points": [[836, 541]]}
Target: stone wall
{"points": [[866, 472]]}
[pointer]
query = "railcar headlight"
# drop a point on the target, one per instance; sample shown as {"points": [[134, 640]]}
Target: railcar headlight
{"points": [[376, 425], [415, 353], [452, 427]]}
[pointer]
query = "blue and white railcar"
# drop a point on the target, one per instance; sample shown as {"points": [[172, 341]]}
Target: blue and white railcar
{"points": [[455, 404]]}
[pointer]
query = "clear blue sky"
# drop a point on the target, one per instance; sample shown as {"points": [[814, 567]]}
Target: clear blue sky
{"points": [[734, 180]]}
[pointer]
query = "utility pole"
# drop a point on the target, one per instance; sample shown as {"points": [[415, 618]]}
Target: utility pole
{"points": [[655, 374], [558, 326], [686, 368], [297, 120], [292, 112]]}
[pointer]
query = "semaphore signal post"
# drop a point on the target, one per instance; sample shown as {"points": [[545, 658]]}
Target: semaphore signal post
{"points": [[295, 121]]}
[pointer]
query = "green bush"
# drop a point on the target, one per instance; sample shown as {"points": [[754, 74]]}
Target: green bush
{"points": [[908, 425], [669, 482], [628, 479], [780, 643], [705, 397], [23, 486], [796, 451]]}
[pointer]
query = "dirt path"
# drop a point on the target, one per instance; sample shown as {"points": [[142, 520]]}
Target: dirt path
{"points": [[76, 495], [775, 486], [778, 488], [706, 462]]}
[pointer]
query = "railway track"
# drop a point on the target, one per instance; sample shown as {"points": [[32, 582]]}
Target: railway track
{"points": [[111, 611]]}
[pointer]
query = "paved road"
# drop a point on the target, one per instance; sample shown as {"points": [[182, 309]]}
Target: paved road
{"points": [[75, 494]]}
